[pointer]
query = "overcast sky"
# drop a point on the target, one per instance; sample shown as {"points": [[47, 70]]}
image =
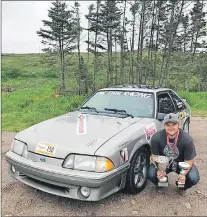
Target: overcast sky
{"points": [[22, 19]]}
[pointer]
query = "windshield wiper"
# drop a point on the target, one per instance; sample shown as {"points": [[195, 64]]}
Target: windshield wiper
{"points": [[89, 108], [119, 111]]}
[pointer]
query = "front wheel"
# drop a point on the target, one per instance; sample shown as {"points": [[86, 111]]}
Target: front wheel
{"points": [[137, 175]]}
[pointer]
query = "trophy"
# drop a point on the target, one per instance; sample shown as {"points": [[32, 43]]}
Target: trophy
{"points": [[162, 163], [183, 166]]}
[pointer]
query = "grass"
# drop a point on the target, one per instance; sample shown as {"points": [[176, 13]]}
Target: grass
{"points": [[197, 101], [35, 98], [25, 107]]}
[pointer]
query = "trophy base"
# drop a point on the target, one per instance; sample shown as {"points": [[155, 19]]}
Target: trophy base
{"points": [[181, 185], [163, 184]]}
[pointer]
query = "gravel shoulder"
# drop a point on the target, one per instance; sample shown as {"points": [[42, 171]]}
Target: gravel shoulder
{"points": [[21, 200]]}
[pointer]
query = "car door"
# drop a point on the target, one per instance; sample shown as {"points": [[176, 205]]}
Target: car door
{"points": [[165, 105], [180, 107]]}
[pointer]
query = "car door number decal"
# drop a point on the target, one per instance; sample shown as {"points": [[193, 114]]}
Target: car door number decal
{"points": [[46, 149], [182, 115]]}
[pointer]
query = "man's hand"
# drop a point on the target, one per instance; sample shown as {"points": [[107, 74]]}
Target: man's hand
{"points": [[181, 179], [161, 174], [153, 158]]}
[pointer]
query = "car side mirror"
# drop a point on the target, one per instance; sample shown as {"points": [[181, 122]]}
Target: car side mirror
{"points": [[160, 116], [184, 100]]}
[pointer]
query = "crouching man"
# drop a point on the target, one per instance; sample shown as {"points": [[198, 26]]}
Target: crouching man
{"points": [[178, 146]]}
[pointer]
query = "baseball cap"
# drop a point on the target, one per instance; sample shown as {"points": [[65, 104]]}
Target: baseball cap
{"points": [[173, 118]]}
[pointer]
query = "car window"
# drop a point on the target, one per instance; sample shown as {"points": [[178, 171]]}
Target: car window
{"points": [[177, 101], [139, 104], [165, 104]]}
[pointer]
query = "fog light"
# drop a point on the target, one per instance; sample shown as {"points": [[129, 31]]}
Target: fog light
{"points": [[85, 191], [13, 169]]}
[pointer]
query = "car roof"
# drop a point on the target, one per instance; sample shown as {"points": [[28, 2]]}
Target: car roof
{"points": [[133, 87]]}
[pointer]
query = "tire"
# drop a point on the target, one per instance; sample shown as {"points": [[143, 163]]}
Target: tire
{"points": [[186, 126], [137, 174]]}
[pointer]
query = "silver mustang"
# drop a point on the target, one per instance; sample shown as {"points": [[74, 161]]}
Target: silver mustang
{"points": [[100, 148]]}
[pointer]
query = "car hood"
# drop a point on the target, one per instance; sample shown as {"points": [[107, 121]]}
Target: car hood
{"points": [[69, 137]]}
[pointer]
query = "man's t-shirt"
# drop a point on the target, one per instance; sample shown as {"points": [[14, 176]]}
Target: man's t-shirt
{"points": [[185, 149]]}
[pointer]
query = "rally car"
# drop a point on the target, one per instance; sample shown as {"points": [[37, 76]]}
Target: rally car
{"points": [[98, 149]]}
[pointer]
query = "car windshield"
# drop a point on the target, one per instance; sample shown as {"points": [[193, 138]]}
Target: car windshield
{"points": [[134, 103]]}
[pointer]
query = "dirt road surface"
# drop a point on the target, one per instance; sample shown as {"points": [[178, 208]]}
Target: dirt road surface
{"points": [[21, 200]]}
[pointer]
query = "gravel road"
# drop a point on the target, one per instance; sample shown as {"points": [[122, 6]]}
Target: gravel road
{"points": [[21, 200]]}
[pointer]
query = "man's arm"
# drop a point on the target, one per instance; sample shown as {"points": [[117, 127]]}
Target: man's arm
{"points": [[190, 162], [155, 152], [189, 154], [153, 158]]}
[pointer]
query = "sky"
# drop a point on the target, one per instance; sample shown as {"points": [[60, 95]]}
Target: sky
{"points": [[22, 19]]}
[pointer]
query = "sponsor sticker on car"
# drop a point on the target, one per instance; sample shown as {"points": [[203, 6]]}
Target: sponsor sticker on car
{"points": [[81, 124], [46, 149], [126, 93], [150, 129], [124, 155], [93, 142], [182, 115]]}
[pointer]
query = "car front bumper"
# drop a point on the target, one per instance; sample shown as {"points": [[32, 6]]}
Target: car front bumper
{"points": [[65, 182]]}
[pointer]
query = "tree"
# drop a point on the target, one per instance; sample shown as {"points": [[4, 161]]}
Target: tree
{"points": [[59, 35], [175, 9], [159, 23], [93, 19], [185, 36], [134, 10], [145, 15], [198, 24], [80, 58], [90, 10], [109, 22]]}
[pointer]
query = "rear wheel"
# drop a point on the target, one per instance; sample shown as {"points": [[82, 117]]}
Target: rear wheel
{"points": [[137, 174]]}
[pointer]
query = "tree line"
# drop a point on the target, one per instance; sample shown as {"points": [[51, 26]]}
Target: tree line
{"points": [[134, 42]]}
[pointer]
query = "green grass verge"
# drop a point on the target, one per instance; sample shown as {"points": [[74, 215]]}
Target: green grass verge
{"points": [[26, 107], [35, 80]]}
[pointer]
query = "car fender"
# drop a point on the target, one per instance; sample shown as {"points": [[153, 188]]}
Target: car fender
{"points": [[141, 143]]}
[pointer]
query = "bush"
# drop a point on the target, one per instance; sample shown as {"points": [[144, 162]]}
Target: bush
{"points": [[49, 74], [10, 73]]}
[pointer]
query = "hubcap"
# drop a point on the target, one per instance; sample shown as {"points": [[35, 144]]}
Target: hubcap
{"points": [[140, 170]]}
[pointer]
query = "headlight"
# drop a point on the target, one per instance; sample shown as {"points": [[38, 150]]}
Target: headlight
{"points": [[88, 163], [19, 148]]}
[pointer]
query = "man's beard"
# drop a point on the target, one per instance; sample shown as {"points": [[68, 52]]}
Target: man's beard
{"points": [[172, 135]]}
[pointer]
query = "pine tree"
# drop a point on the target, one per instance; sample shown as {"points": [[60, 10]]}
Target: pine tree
{"points": [[134, 11], [198, 24], [110, 16], [175, 9], [93, 45], [185, 37], [159, 25], [59, 35], [83, 87]]}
